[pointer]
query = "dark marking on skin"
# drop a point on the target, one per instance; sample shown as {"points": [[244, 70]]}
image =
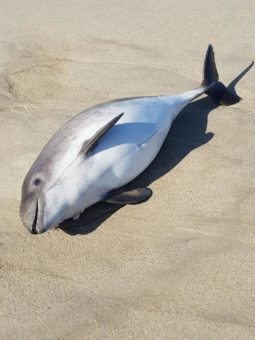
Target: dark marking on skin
{"points": [[33, 229]]}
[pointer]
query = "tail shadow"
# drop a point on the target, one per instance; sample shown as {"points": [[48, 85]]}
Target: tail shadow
{"points": [[187, 133]]}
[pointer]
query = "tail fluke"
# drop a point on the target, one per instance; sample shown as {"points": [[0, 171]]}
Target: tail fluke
{"points": [[218, 92]]}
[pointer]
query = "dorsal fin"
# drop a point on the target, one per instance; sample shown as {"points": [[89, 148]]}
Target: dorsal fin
{"points": [[91, 143]]}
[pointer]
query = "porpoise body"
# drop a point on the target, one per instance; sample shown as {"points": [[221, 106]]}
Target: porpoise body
{"points": [[102, 149]]}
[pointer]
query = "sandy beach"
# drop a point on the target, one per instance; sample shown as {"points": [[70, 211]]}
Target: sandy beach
{"points": [[179, 266]]}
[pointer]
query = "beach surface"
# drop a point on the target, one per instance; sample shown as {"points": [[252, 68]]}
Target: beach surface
{"points": [[181, 265]]}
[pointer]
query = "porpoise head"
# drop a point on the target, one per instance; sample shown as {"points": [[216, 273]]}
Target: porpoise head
{"points": [[46, 203], [47, 198]]}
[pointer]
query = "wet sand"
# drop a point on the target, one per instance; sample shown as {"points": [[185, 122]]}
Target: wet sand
{"points": [[181, 265]]}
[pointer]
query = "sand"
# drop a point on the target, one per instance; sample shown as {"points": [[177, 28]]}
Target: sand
{"points": [[180, 266]]}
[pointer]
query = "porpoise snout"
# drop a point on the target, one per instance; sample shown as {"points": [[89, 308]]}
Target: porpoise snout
{"points": [[31, 217]]}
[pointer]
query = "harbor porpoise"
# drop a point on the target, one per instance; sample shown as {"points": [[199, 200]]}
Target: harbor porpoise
{"points": [[102, 149]]}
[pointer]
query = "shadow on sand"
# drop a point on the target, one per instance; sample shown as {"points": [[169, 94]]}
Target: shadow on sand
{"points": [[187, 133]]}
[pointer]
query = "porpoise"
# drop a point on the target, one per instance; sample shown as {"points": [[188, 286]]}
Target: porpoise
{"points": [[102, 149]]}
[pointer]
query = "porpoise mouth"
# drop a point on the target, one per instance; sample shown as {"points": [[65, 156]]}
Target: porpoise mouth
{"points": [[33, 228]]}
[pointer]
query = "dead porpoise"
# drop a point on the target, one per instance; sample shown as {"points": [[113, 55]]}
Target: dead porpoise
{"points": [[102, 149]]}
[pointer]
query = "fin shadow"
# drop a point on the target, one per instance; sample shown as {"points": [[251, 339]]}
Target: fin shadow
{"points": [[188, 132]]}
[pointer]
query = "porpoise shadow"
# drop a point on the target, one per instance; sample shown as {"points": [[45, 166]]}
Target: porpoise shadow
{"points": [[188, 132]]}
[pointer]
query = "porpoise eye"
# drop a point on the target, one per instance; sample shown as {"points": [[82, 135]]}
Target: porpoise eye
{"points": [[37, 181]]}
